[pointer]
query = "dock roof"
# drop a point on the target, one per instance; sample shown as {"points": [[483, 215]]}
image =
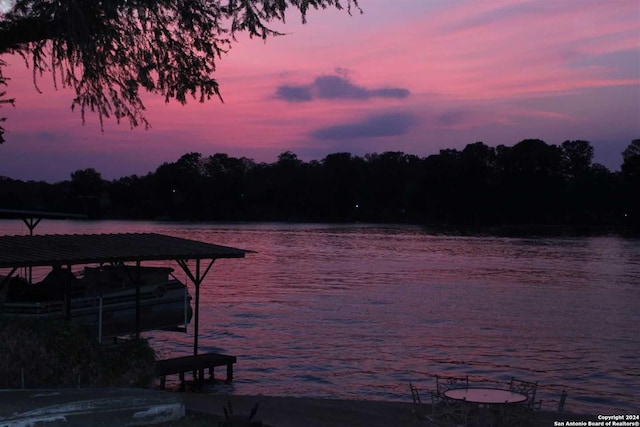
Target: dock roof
{"points": [[73, 249]]}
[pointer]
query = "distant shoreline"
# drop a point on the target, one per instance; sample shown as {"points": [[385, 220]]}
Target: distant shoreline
{"points": [[535, 230], [494, 230]]}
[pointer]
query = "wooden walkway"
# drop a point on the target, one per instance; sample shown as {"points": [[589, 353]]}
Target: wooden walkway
{"points": [[196, 364]]}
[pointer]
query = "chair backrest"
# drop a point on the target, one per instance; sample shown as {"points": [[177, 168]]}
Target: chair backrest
{"points": [[455, 412], [447, 383], [527, 388], [419, 411], [563, 399], [415, 394]]}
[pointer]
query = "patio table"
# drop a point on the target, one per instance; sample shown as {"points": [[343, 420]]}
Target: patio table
{"points": [[485, 396], [494, 404]]}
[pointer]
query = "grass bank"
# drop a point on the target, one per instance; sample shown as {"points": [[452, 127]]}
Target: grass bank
{"points": [[47, 353]]}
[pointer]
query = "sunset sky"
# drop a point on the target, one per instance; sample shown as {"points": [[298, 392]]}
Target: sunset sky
{"points": [[415, 76]]}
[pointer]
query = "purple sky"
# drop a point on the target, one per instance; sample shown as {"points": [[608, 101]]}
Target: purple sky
{"points": [[407, 75]]}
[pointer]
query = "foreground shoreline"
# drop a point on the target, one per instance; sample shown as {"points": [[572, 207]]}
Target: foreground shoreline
{"points": [[135, 406], [320, 412]]}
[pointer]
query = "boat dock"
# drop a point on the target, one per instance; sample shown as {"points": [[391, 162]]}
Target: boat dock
{"points": [[195, 258], [196, 364]]}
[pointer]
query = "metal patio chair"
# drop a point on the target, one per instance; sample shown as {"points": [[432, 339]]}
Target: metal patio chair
{"points": [[447, 383], [420, 410], [527, 388], [521, 414], [562, 401], [449, 411]]}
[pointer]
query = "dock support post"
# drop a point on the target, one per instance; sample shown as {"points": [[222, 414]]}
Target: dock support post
{"points": [[197, 281], [197, 311], [138, 328], [229, 372], [100, 320]]}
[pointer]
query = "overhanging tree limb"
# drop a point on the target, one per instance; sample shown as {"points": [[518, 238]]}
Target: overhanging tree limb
{"points": [[108, 50], [3, 100]]}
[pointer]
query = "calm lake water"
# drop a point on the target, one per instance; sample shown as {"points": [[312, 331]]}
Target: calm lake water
{"points": [[359, 311]]}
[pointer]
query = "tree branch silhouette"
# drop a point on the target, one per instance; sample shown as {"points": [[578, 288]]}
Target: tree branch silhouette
{"points": [[107, 51]]}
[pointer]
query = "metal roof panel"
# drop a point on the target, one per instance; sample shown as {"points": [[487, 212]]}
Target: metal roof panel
{"points": [[72, 249]]}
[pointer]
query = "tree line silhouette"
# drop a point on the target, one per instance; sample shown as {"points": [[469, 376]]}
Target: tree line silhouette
{"points": [[529, 183]]}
